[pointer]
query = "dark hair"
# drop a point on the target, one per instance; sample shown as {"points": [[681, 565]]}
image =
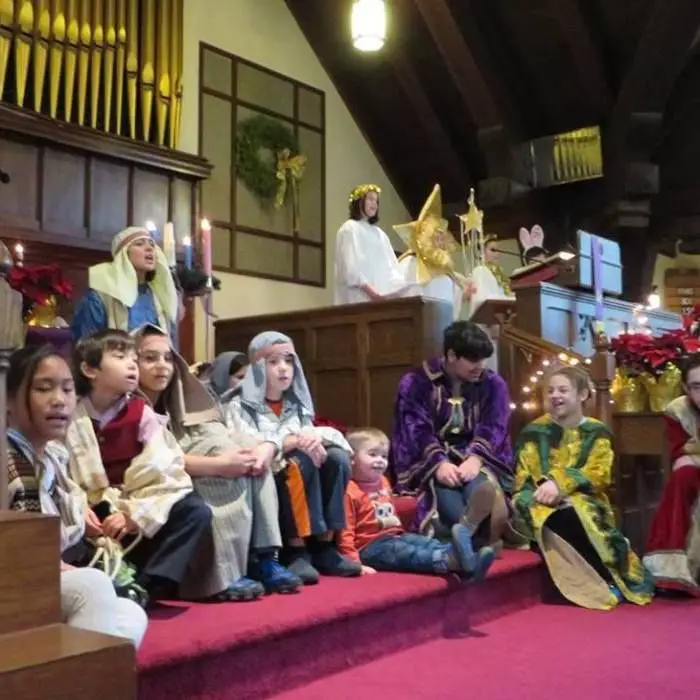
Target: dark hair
{"points": [[24, 364], [237, 364], [467, 340], [689, 364], [150, 276], [531, 254], [91, 349], [357, 210]]}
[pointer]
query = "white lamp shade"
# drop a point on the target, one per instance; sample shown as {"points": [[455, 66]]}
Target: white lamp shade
{"points": [[368, 25]]}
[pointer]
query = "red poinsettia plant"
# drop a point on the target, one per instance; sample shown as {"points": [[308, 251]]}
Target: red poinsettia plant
{"points": [[640, 352], [38, 283]]}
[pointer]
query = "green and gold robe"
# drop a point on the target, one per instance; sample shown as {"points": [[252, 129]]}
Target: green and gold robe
{"points": [[579, 461]]}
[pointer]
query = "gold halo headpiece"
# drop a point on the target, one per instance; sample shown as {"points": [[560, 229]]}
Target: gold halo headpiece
{"points": [[361, 191]]}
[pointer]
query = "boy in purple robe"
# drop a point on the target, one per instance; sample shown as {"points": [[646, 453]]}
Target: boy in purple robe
{"points": [[450, 444]]}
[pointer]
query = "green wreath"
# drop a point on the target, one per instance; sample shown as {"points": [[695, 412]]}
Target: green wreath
{"points": [[258, 172]]}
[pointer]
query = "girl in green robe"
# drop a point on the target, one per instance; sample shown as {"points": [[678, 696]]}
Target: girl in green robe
{"points": [[564, 464]]}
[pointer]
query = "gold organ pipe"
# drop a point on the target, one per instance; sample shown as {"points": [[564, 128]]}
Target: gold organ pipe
{"points": [[24, 17], [42, 32], [71, 55], [132, 61], [7, 12], [164, 101], [83, 58], [121, 63], [148, 50], [109, 55], [98, 38], [56, 48]]}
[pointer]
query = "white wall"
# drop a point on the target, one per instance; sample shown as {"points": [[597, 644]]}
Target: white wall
{"points": [[264, 32]]}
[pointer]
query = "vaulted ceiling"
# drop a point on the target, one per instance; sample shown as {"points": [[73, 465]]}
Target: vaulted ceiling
{"points": [[459, 83]]}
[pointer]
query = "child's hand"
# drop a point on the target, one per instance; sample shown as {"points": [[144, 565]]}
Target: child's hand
{"points": [[93, 526], [367, 570], [237, 462], [547, 494], [264, 454], [117, 525]]}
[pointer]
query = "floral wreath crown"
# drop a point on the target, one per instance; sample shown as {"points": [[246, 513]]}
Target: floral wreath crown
{"points": [[361, 191]]}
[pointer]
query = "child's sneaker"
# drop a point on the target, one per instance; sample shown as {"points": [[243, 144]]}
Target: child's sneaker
{"points": [[244, 589], [463, 548], [298, 561], [330, 562], [616, 592], [275, 578]]}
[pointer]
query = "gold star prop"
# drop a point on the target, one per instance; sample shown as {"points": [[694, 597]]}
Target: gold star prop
{"points": [[473, 219], [428, 239]]}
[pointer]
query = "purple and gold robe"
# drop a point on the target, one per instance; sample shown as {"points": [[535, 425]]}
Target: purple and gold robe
{"points": [[433, 425]]}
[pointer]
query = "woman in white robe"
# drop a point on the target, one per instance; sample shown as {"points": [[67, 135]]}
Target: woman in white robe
{"points": [[366, 268]]}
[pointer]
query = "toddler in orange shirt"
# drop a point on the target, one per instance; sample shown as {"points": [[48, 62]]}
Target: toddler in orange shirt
{"points": [[374, 536]]}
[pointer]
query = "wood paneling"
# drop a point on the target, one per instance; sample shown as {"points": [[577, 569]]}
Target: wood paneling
{"points": [[353, 355], [71, 190]]}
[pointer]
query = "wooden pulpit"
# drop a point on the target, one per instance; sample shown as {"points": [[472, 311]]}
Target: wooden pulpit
{"points": [[353, 355], [494, 312]]}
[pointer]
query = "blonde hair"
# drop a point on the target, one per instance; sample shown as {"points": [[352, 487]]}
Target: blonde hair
{"points": [[578, 378], [359, 436]]}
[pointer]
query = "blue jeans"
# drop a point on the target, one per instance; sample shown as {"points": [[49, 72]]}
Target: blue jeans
{"points": [[312, 499], [408, 552]]}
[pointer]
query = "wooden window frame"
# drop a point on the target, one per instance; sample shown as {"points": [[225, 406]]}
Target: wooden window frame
{"points": [[232, 226]]}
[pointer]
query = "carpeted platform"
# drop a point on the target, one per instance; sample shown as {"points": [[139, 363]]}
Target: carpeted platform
{"points": [[254, 650], [546, 651]]}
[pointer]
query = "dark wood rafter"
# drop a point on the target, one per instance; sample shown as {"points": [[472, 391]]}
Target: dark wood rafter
{"points": [[590, 70], [456, 175], [471, 83], [661, 54]]}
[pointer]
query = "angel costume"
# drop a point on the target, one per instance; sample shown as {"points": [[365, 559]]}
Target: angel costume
{"points": [[40, 484], [311, 498], [126, 462], [364, 256], [673, 548], [116, 299], [244, 509], [428, 258]]}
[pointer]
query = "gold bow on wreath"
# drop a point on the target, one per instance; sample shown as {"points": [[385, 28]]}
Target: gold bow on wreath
{"points": [[290, 170]]}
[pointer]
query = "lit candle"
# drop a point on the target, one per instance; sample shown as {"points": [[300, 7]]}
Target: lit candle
{"points": [[187, 252], [169, 243], [206, 247], [19, 254]]}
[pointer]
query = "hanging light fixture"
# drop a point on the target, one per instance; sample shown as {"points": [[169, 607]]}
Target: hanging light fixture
{"points": [[368, 24]]}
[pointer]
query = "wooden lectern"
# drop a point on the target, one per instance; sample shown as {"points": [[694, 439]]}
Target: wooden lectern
{"points": [[494, 312]]}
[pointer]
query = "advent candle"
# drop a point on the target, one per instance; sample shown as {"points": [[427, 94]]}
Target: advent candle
{"points": [[187, 252], [19, 254], [206, 247], [598, 282], [169, 243]]}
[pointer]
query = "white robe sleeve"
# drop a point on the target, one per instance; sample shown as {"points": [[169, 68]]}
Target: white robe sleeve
{"points": [[487, 287], [348, 256]]}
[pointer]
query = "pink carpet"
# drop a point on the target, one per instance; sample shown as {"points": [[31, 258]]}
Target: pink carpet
{"points": [[253, 650], [545, 651]]}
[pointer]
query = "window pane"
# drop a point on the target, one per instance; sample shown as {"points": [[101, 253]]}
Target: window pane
{"points": [[266, 256], [310, 264], [259, 88], [221, 248], [311, 107], [216, 148], [311, 188], [216, 72]]}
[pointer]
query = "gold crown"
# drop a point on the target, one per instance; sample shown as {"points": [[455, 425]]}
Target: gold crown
{"points": [[361, 191]]}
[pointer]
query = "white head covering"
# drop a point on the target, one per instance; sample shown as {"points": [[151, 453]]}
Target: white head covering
{"points": [[118, 278], [254, 384]]}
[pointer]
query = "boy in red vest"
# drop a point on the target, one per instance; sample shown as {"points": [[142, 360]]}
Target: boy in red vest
{"points": [[130, 467]]}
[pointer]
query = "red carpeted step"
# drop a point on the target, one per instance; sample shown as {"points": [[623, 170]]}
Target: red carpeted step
{"points": [[546, 651], [253, 650]]}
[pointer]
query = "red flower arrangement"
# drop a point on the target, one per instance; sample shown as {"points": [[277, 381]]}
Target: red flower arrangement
{"points": [[38, 283], [640, 352]]}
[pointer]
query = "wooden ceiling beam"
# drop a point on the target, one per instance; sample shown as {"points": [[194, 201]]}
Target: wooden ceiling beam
{"points": [[590, 71], [454, 173], [661, 54], [477, 98]]}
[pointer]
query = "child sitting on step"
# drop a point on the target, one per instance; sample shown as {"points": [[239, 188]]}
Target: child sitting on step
{"points": [[41, 395], [131, 468], [311, 465], [374, 536], [229, 472]]}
